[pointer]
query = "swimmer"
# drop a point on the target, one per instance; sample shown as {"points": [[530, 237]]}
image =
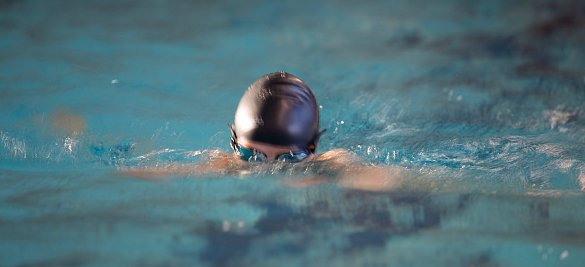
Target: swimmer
{"points": [[277, 121]]}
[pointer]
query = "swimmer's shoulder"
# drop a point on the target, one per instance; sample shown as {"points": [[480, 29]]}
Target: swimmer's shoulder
{"points": [[338, 155]]}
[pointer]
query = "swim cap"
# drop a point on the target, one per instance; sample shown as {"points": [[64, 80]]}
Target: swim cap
{"points": [[278, 109]]}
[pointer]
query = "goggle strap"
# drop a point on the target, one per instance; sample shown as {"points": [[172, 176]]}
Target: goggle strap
{"points": [[313, 146], [233, 140]]}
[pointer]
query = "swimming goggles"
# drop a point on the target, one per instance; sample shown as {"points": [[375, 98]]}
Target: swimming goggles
{"points": [[254, 155]]}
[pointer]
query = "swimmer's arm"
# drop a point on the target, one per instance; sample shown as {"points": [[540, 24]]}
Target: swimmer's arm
{"points": [[221, 163], [348, 170], [373, 178]]}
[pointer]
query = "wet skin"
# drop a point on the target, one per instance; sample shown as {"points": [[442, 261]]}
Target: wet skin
{"points": [[335, 166]]}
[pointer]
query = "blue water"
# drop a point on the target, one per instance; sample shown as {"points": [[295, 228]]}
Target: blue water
{"points": [[482, 100]]}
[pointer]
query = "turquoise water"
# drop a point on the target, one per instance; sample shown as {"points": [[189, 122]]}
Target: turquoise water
{"points": [[485, 99]]}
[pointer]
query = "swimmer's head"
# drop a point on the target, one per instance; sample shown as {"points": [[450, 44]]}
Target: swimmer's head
{"points": [[280, 110]]}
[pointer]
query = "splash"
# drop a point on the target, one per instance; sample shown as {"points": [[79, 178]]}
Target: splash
{"points": [[561, 116], [16, 147]]}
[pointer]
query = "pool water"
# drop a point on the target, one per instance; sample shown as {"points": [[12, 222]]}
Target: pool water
{"points": [[485, 99]]}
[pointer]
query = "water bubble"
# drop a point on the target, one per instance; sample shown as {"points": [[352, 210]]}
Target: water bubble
{"points": [[115, 81], [194, 153], [70, 144], [564, 255]]}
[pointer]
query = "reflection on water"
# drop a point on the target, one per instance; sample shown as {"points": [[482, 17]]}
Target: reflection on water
{"points": [[356, 222], [408, 194], [466, 120]]}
